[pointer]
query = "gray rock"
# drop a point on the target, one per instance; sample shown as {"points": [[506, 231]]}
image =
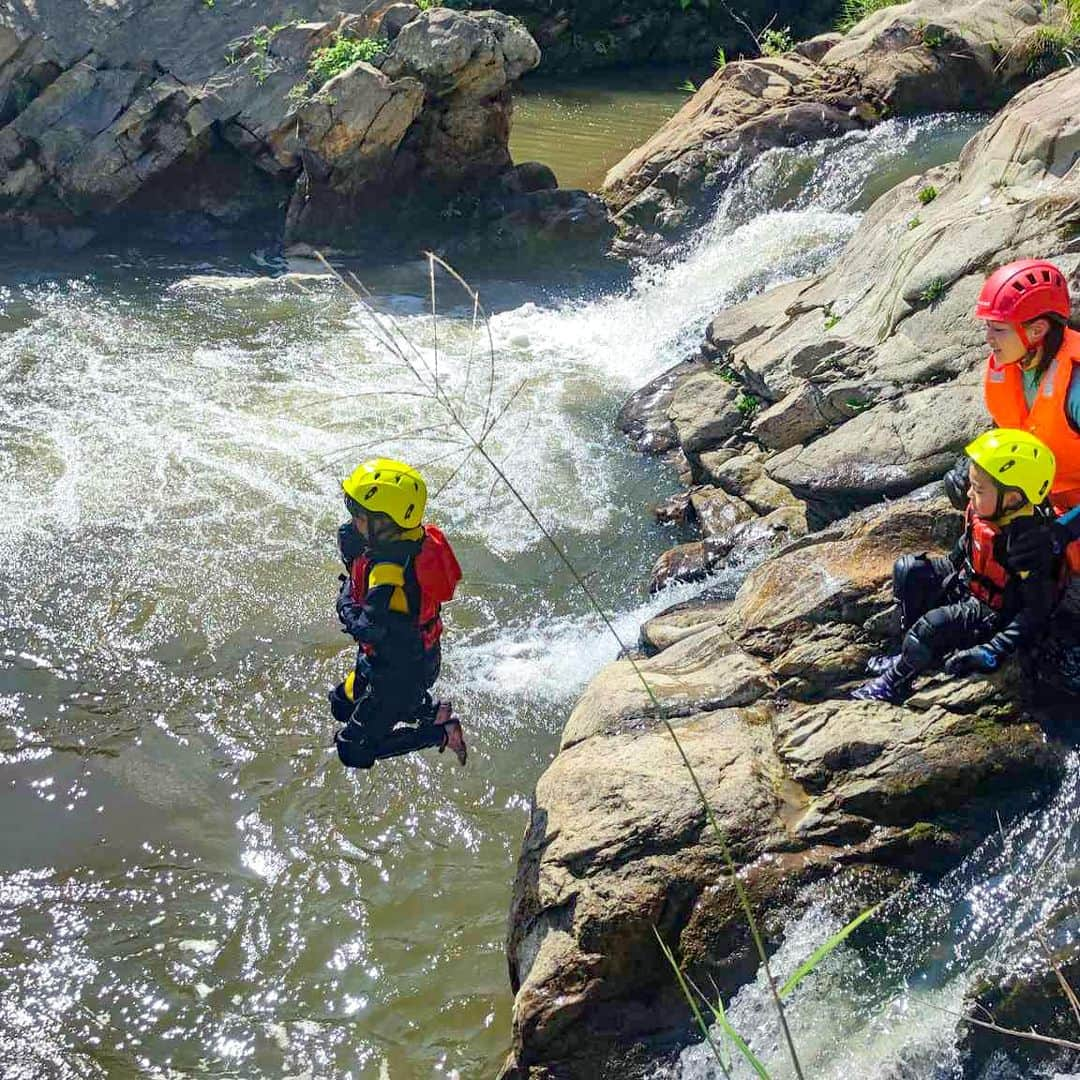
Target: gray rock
{"points": [[704, 412], [888, 450]]}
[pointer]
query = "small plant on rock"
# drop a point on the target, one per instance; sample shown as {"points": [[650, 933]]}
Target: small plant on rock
{"points": [[341, 54], [687, 87], [747, 404], [720, 59], [774, 42], [933, 37], [928, 194], [935, 289], [914, 223]]}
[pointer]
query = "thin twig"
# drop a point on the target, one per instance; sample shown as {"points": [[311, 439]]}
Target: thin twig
{"points": [[1032, 1036]]}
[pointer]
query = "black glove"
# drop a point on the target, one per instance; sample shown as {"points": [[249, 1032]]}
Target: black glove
{"points": [[969, 661], [349, 543], [956, 483]]}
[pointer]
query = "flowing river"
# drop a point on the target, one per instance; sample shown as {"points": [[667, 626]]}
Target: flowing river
{"points": [[189, 882]]}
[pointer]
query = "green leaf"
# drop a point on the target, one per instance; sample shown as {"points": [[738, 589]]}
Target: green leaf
{"points": [[822, 951], [692, 1002], [737, 1039]]}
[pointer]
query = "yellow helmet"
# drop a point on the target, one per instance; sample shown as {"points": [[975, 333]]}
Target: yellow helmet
{"points": [[1015, 459], [383, 486]]}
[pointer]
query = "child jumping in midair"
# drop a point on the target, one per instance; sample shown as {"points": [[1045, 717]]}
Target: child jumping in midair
{"points": [[400, 573], [974, 603]]}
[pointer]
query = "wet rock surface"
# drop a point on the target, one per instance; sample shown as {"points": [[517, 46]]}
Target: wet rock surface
{"points": [[805, 783]]}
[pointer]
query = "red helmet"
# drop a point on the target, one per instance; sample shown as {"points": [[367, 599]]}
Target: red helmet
{"points": [[1022, 291]]}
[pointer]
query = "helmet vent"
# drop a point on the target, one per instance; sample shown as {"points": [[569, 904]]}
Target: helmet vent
{"points": [[1007, 466], [1019, 286], [409, 512], [371, 492]]}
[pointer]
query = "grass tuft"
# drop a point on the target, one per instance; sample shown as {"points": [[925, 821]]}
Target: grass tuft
{"points": [[854, 11]]}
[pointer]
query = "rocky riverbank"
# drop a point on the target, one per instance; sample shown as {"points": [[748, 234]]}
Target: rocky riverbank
{"points": [[187, 120], [905, 59], [813, 428]]}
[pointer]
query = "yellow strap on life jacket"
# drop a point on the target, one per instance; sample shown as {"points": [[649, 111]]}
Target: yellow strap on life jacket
{"points": [[350, 685], [388, 573]]}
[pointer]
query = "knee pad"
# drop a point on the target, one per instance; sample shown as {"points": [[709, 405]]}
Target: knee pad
{"points": [[341, 708], [915, 584], [353, 753], [923, 642]]}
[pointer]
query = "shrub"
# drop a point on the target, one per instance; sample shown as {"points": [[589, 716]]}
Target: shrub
{"points": [[928, 194], [340, 54], [775, 42], [747, 404], [934, 291]]}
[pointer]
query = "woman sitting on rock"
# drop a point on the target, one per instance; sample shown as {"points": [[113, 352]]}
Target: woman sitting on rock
{"points": [[975, 603], [1032, 381]]}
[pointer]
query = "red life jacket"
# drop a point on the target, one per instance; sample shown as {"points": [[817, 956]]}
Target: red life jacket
{"points": [[437, 573], [986, 577]]}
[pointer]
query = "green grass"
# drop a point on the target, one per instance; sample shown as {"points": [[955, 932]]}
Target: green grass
{"points": [[854, 11], [720, 59], [914, 222], [928, 194], [687, 87], [341, 54]]}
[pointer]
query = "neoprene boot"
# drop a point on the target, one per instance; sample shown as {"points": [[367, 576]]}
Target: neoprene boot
{"points": [[890, 686], [878, 665]]}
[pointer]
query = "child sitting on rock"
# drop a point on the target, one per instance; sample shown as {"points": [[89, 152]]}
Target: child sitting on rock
{"points": [[401, 572], [974, 603]]}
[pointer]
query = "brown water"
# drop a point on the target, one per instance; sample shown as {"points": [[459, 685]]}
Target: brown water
{"points": [[583, 128]]}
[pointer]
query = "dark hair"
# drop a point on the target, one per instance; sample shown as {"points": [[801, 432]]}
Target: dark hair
{"points": [[1054, 337]]}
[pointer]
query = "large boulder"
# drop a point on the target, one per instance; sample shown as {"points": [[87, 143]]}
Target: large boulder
{"points": [[904, 59], [803, 783], [150, 112]]}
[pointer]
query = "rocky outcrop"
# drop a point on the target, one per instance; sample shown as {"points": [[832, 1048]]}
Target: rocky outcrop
{"points": [[908, 58], [866, 380], [158, 115], [804, 784], [857, 388]]}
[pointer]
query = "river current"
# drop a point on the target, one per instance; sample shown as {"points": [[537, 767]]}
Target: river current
{"points": [[189, 882]]}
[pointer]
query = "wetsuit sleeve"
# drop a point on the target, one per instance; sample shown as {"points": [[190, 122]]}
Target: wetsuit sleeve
{"points": [[1038, 590], [368, 622]]}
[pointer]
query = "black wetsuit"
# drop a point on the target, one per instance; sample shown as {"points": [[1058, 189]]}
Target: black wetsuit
{"points": [[940, 614], [392, 676]]}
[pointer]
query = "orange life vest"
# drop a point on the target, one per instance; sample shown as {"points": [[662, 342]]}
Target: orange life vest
{"points": [[1048, 417], [437, 573]]}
